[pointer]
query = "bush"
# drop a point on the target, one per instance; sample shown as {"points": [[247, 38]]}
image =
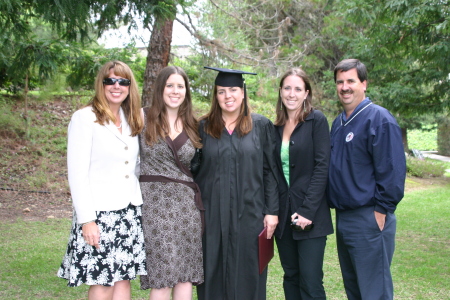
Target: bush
{"points": [[424, 140], [424, 167]]}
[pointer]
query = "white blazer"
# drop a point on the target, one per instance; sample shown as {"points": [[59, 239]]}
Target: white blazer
{"points": [[103, 165]]}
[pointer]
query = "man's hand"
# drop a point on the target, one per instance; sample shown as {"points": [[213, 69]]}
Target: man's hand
{"points": [[381, 219]]}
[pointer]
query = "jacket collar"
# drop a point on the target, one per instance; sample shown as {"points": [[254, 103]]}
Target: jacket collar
{"points": [[125, 128], [311, 116], [362, 106]]}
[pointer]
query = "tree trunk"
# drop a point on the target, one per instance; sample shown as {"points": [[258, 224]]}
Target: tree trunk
{"points": [[405, 139], [25, 115], [443, 136], [157, 57]]}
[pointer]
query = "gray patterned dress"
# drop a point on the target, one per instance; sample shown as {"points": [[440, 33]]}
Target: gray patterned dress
{"points": [[170, 219]]}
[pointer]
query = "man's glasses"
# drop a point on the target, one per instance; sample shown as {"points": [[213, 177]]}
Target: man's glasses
{"points": [[121, 81]]}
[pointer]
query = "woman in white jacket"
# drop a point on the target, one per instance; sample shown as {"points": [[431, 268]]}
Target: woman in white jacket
{"points": [[106, 244]]}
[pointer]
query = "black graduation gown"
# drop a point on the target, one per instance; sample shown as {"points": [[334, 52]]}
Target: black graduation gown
{"points": [[239, 187]]}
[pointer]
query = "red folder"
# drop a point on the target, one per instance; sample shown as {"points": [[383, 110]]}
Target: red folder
{"points": [[265, 250]]}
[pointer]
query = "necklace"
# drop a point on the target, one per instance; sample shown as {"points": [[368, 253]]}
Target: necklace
{"points": [[120, 126]]}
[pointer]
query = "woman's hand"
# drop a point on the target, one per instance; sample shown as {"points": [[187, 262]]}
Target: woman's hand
{"points": [[91, 234], [302, 222], [270, 221]]}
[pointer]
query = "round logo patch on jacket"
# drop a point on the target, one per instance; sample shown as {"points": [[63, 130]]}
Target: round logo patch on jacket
{"points": [[349, 137]]}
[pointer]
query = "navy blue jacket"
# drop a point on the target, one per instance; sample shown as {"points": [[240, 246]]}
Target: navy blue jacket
{"points": [[368, 165]]}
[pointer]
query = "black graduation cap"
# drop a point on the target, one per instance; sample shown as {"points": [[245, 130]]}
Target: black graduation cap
{"points": [[229, 78]]}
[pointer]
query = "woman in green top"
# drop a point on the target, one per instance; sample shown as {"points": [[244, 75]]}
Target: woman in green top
{"points": [[302, 156]]}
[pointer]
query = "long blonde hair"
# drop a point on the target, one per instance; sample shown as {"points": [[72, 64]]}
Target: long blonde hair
{"points": [[131, 105]]}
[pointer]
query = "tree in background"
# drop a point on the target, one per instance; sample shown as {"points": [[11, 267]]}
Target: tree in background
{"points": [[35, 58], [84, 21], [268, 34], [153, 14], [84, 65], [158, 51], [406, 44], [269, 37], [30, 52]]}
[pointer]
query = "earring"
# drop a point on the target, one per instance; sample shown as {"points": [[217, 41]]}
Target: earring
{"points": [[304, 105], [281, 105]]}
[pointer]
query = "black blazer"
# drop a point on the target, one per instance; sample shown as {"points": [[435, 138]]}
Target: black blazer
{"points": [[309, 155]]}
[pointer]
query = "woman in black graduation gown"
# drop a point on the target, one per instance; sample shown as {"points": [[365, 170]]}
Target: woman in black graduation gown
{"points": [[239, 192]]}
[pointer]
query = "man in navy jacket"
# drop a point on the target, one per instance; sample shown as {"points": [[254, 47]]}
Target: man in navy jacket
{"points": [[366, 182]]}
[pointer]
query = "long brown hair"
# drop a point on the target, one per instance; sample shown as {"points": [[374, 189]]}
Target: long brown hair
{"points": [[157, 124], [131, 105], [214, 121], [306, 108]]}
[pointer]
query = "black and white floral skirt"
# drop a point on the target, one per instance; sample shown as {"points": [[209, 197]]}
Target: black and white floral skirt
{"points": [[121, 255]]}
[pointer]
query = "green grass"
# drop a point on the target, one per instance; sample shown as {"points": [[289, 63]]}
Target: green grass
{"points": [[32, 252], [421, 266]]}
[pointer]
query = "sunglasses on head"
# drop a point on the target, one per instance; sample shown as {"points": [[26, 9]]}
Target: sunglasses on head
{"points": [[112, 81]]}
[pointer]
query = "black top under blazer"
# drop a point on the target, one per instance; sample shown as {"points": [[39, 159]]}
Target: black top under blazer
{"points": [[309, 155]]}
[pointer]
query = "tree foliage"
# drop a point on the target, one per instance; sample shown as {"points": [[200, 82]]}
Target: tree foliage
{"points": [[268, 37], [70, 18], [77, 23], [407, 45], [36, 54], [75, 20], [404, 43], [272, 35], [85, 63]]}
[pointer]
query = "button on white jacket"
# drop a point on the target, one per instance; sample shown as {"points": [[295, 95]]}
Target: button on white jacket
{"points": [[103, 165]]}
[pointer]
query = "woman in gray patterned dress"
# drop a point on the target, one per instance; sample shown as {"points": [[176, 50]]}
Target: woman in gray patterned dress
{"points": [[171, 211]]}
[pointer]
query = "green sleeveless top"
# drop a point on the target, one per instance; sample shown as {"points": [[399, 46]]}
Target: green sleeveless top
{"points": [[285, 159]]}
